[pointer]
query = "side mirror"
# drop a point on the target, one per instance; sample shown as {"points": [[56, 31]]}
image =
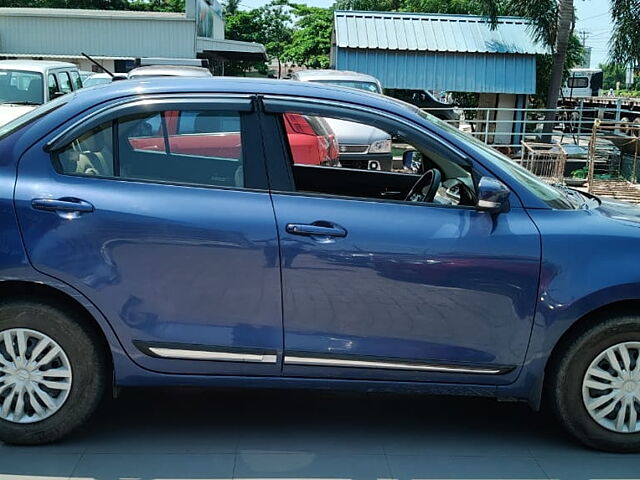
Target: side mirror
{"points": [[493, 195], [56, 95]]}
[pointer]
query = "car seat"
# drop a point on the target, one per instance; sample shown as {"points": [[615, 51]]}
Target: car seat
{"points": [[90, 155], [34, 92]]}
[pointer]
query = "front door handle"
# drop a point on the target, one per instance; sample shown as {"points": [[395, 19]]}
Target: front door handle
{"points": [[67, 204], [316, 229]]}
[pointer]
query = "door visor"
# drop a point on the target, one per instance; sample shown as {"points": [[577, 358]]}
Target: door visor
{"points": [[147, 105]]}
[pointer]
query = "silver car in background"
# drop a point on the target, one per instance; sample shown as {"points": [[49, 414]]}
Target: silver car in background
{"points": [[361, 146]]}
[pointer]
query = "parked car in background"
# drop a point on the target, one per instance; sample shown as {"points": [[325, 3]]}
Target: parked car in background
{"points": [[361, 146], [312, 140], [131, 258], [426, 101], [25, 84], [84, 74], [169, 71], [102, 78]]}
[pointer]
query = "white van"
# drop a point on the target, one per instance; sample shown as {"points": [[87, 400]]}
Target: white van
{"points": [[25, 84], [583, 83]]}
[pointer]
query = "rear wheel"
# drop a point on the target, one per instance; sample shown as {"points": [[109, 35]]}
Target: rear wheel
{"points": [[595, 385], [53, 372]]}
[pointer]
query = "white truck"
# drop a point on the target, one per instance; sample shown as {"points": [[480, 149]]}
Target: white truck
{"points": [[25, 84]]}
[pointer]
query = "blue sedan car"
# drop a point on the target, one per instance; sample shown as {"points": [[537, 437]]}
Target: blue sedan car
{"points": [[163, 232]]}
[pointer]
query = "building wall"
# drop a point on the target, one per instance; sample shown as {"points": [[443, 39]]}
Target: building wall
{"points": [[454, 72], [104, 35]]}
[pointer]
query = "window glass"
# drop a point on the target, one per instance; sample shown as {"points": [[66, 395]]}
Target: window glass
{"points": [[52, 85], [90, 154], [65, 82], [578, 82], [340, 157], [187, 147], [21, 87], [76, 80], [553, 197]]}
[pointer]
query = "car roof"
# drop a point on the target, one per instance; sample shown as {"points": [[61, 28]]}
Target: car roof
{"points": [[169, 70], [86, 98], [309, 75], [34, 65], [106, 75]]}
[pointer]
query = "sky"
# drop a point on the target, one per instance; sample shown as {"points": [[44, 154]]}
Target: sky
{"points": [[593, 18]]}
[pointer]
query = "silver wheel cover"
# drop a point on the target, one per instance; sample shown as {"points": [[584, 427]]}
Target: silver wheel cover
{"points": [[611, 388], [35, 376]]}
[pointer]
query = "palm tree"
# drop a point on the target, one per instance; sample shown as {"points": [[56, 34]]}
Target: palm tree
{"points": [[553, 21], [230, 7]]}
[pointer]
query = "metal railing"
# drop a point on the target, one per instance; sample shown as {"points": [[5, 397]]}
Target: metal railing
{"points": [[507, 128]]}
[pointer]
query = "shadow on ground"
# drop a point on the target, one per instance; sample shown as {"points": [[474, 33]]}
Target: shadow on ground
{"points": [[259, 434]]}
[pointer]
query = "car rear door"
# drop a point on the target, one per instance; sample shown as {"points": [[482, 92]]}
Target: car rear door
{"points": [[179, 251]]}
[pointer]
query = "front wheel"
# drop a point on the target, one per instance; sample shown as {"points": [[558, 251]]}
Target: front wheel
{"points": [[595, 386], [53, 372]]}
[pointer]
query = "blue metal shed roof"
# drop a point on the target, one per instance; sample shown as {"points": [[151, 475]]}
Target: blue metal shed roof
{"points": [[434, 33]]}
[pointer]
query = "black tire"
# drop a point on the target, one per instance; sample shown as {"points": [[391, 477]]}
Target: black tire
{"points": [[88, 360], [564, 385]]}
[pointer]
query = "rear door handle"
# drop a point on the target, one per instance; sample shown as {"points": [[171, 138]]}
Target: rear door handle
{"points": [[316, 229], [66, 204]]}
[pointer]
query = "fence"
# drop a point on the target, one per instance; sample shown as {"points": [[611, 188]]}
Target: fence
{"points": [[575, 144], [506, 128]]}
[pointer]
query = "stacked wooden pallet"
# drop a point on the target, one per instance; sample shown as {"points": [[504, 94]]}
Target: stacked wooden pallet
{"points": [[617, 189]]}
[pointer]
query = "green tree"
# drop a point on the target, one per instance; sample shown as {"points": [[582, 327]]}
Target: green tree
{"points": [[311, 39], [231, 7], [277, 29], [270, 25], [613, 73], [552, 23], [246, 26], [625, 42], [470, 7]]}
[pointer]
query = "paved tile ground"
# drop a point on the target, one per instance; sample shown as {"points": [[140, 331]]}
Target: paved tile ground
{"points": [[254, 434]]}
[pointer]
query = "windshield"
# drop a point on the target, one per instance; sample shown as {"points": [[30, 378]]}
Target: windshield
{"points": [[550, 195], [366, 86], [21, 87]]}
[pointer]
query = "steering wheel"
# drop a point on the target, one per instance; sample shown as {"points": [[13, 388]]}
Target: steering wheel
{"points": [[424, 190]]}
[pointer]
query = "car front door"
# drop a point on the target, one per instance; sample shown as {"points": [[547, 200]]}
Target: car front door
{"points": [[387, 289], [178, 250]]}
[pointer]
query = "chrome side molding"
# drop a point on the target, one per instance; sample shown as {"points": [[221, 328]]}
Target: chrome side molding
{"points": [[201, 352], [391, 365]]}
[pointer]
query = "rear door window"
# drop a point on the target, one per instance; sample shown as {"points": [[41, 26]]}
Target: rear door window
{"points": [[195, 147]]}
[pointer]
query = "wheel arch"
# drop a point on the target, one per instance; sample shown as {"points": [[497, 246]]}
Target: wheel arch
{"points": [[12, 289], [582, 324]]}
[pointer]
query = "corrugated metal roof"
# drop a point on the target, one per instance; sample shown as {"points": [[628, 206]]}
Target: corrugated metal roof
{"points": [[435, 33]]}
